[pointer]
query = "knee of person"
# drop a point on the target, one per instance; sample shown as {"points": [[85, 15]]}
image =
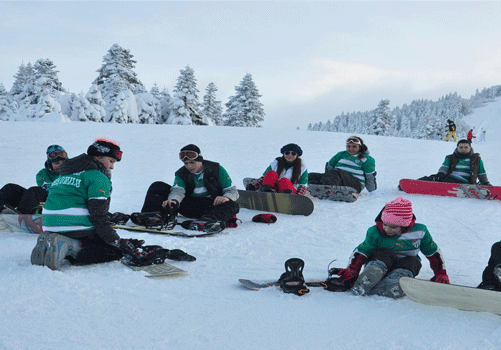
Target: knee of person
{"points": [[158, 186], [496, 250]]}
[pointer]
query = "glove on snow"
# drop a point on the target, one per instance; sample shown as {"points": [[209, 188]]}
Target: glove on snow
{"points": [[266, 218]]}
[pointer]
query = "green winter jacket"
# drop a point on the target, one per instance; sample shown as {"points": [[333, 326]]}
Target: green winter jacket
{"points": [[78, 201], [410, 243], [45, 178]]}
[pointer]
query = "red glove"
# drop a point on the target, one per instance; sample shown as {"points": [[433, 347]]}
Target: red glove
{"points": [[348, 274], [352, 271], [437, 265], [441, 277]]}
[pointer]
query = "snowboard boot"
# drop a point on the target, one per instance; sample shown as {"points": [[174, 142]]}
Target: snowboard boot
{"points": [[118, 218], [292, 280], [390, 285], [204, 225], [493, 283], [58, 248], [38, 253], [7, 209], [138, 219], [373, 272], [488, 286], [233, 222]]}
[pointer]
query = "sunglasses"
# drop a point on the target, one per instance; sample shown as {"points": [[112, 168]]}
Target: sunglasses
{"points": [[290, 152], [57, 154], [353, 140], [191, 155]]}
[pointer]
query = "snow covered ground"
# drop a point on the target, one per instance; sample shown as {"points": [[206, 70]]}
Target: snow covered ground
{"points": [[108, 306]]}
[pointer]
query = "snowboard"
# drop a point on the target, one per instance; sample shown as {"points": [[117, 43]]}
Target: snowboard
{"points": [[283, 203], [292, 204], [164, 232], [254, 285], [451, 295], [333, 193], [157, 270], [450, 189], [21, 223]]}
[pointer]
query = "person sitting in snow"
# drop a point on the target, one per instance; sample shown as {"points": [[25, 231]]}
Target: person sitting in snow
{"points": [[463, 166], [202, 190], [17, 199], [491, 277], [354, 168], [389, 252], [75, 221], [286, 174]]}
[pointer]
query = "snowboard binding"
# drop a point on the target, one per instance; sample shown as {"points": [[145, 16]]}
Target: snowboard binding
{"points": [[160, 220], [155, 254], [334, 282], [292, 280], [207, 226]]}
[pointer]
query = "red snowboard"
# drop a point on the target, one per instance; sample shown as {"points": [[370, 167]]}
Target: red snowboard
{"points": [[450, 189]]}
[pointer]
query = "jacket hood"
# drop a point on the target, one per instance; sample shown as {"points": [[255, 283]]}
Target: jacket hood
{"points": [[81, 163]]}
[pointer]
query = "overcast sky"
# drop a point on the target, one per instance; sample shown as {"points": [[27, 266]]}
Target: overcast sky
{"points": [[310, 60]]}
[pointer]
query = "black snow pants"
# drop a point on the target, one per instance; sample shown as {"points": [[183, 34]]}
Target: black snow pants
{"points": [[190, 207], [25, 200], [335, 177]]}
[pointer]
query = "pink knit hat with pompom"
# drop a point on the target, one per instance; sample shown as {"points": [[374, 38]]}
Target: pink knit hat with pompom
{"points": [[398, 212]]}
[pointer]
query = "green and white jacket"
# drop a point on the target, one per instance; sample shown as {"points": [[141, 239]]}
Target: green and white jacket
{"points": [[45, 178], [416, 239], [364, 170], [78, 201]]}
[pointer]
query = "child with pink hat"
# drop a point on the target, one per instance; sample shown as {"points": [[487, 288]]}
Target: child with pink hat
{"points": [[389, 252]]}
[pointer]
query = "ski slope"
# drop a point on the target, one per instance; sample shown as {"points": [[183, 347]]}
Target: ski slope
{"points": [[109, 306]]}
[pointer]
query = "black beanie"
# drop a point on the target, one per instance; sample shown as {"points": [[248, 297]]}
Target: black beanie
{"points": [[292, 147], [106, 148], [194, 148]]}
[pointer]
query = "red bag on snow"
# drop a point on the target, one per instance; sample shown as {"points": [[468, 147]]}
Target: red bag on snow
{"points": [[266, 218]]}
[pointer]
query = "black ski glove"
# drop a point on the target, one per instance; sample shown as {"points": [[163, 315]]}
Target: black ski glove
{"points": [[179, 255]]}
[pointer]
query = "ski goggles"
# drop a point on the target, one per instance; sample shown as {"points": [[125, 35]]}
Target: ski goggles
{"points": [[118, 155], [57, 154], [353, 140], [290, 152], [190, 155]]}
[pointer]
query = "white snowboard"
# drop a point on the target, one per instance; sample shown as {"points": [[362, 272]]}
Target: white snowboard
{"points": [[451, 295], [158, 270]]}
